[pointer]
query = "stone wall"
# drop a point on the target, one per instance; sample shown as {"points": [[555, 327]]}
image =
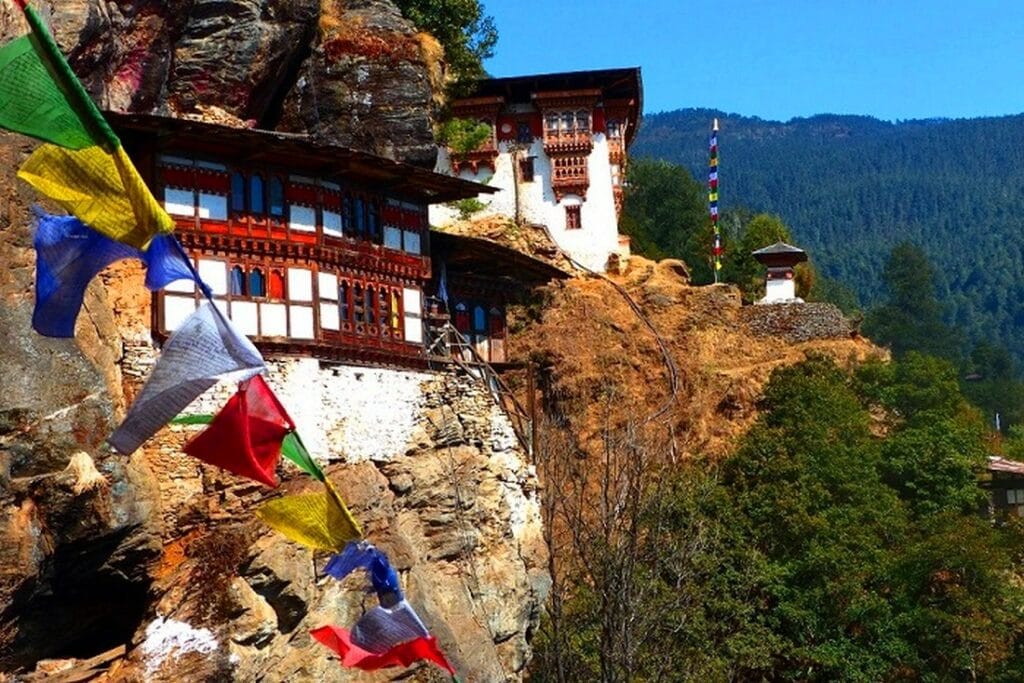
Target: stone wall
{"points": [[797, 322]]}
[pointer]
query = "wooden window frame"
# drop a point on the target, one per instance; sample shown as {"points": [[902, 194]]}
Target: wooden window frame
{"points": [[573, 217]]}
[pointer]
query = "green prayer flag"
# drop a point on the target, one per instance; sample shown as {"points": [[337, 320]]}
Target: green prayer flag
{"points": [[294, 450], [32, 103], [192, 420]]}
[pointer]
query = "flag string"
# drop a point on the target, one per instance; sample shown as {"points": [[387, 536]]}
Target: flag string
{"points": [[713, 199]]}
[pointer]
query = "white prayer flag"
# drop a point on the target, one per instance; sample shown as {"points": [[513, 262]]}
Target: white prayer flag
{"points": [[382, 628], [204, 349]]}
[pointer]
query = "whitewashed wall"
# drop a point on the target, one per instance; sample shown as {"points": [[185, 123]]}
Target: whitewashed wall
{"points": [[590, 245]]}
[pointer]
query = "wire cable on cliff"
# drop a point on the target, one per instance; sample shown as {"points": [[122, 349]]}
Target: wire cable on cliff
{"points": [[670, 365]]}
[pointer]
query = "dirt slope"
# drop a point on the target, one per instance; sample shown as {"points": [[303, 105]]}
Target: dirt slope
{"points": [[601, 366]]}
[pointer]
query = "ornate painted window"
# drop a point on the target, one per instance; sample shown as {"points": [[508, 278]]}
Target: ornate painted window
{"points": [[257, 283], [345, 301], [276, 197], [524, 135], [526, 170], [572, 217], [237, 192], [238, 283], [275, 284], [256, 205]]}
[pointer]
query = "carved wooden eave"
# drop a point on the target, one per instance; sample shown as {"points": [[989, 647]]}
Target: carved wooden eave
{"points": [[484, 109], [475, 159], [564, 189], [478, 107], [625, 111], [358, 258], [580, 143], [562, 99]]}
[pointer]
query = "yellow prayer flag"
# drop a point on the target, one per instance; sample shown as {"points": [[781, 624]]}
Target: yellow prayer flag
{"points": [[83, 168], [317, 520], [102, 189]]}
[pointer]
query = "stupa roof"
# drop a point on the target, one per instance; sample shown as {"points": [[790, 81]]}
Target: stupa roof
{"points": [[780, 254]]}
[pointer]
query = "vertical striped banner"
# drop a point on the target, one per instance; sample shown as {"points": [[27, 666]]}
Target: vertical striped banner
{"points": [[713, 196]]}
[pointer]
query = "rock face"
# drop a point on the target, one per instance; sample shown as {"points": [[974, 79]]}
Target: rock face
{"points": [[591, 344], [74, 551], [349, 72]]}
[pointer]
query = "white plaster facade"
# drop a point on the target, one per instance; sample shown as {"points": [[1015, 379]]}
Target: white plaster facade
{"points": [[781, 289], [575, 129], [598, 235]]}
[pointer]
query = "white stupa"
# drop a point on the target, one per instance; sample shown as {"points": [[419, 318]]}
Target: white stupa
{"points": [[780, 259]]}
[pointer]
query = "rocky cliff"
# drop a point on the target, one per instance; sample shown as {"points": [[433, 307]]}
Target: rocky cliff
{"points": [[352, 72]]}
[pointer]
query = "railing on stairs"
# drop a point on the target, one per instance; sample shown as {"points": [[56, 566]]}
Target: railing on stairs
{"points": [[446, 344]]}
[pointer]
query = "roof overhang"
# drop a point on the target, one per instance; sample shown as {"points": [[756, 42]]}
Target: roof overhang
{"points": [[623, 85], [298, 153], [997, 464], [780, 255], [479, 256]]}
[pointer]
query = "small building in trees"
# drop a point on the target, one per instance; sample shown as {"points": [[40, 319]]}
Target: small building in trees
{"points": [[1005, 486], [781, 260], [556, 153]]}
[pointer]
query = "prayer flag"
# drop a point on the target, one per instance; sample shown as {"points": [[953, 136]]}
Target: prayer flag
{"points": [[384, 637], [404, 654], [69, 255], [364, 555], [713, 197], [442, 284], [245, 437], [200, 419], [83, 166], [205, 349], [295, 450], [317, 520], [165, 263]]}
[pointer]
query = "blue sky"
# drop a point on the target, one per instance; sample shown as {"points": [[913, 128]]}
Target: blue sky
{"points": [[895, 59]]}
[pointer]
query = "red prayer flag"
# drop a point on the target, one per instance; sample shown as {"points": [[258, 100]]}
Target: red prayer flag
{"points": [[404, 654], [245, 437]]}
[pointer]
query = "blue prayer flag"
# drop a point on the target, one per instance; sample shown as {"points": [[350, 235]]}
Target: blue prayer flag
{"points": [[364, 555], [69, 254], [164, 263]]}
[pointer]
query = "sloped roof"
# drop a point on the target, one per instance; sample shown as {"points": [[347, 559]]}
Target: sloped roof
{"points": [[478, 255], [780, 254], [779, 248], [615, 84], [998, 464], [300, 152]]}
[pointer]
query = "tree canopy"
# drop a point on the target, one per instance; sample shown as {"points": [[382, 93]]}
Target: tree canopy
{"points": [[852, 187], [467, 34], [841, 541], [911, 317]]}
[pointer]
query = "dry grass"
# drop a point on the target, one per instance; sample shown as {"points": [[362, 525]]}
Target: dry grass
{"points": [[591, 344]]}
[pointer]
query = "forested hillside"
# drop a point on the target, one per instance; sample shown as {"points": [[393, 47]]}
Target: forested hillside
{"points": [[852, 187]]}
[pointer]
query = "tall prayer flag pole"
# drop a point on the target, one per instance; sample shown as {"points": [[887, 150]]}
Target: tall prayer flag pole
{"points": [[713, 196]]}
